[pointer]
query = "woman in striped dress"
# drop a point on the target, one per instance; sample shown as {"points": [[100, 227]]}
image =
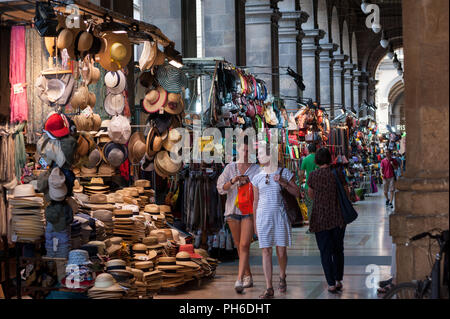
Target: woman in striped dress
{"points": [[272, 224]]}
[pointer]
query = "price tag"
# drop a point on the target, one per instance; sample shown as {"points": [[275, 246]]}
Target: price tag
{"points": [[87, 112], [18, 88]]}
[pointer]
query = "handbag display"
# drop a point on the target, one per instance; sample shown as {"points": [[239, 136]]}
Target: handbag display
{"points": [[348, 212], [291, 205]]}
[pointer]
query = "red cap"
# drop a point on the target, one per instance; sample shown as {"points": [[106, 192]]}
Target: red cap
{"points": [[189, 248], [57, 125]]}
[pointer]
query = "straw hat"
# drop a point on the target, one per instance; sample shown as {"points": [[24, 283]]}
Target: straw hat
{"points": [[136, 147], [98, 199], [87, 172], [105, 284], [114, 103], [164, 164], [92, 100], [175, 104], [97, 122], [64, 39], [115, 82], [115, 154], [142, 183], [151, 242], [100, 245], [117, 266], [78, 257], [77, 188], [173, 137], [24, 190], [106, 170], [85, 41], [184, 259], [151, 208], [165, 208], [165, 263], [155, 100], [80, 98], [115, 52]]}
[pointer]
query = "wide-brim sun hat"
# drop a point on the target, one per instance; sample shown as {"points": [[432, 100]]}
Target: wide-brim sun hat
{"points": [[136, 147], [171, 78], [173, 137], [115, 51], [165, 164], [175, 104], [24, 190], [115, 154], [155, 100]]}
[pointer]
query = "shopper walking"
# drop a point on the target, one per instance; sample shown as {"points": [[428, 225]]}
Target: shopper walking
{"points": [[242, 228], [388, 166], [308, 166], [326, 219], [272, 224]]}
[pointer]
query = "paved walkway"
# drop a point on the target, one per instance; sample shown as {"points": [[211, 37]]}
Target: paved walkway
{"points": [[367, 242]]}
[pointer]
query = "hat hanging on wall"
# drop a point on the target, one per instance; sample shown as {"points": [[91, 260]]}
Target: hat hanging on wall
{"points": [[175, 104], [115, 52], [155, 100], [114, 104], [172, 79], [119, 130], [115, 82]]}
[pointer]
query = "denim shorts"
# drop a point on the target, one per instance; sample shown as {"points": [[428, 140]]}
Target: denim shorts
{"points": [[238, 217]]}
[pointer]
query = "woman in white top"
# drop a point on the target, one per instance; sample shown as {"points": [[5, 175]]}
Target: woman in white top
{"points": [[272, 223], [241, 226]]}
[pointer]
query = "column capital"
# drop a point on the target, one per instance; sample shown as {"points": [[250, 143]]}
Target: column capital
{"points": [[290, 27], [262, 12], [314, 34], [340, 57]]}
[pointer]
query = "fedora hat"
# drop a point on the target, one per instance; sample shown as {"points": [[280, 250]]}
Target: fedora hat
{"points": [[114, 104], [184, 259], [136, 147], [155, 100], [97, 122], [115, 154], [142, 183], [173, 137], [119, 130], [115, 82], [151, 242], [56, 184], [117, 265], [103, 131], [165, 208], [115, 52], [172, 79], [167, 263], [100, 246], [24, 190], [64, 39], [98, 199]]}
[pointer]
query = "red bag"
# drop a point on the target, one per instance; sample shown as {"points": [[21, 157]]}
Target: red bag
{"points": [[245, 199]]}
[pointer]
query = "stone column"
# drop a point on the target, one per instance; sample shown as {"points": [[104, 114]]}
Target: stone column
{"points": [[348, 86], [421, 201], [356, 97], [290, 35], [261, 28], [338, 84], [310, 63], [363, 92], [326, 76]]}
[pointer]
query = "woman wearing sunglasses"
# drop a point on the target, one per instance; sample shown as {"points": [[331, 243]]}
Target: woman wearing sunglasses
{"points": [[271, 220]]}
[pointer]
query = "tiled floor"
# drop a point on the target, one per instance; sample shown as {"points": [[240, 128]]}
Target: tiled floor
{"points": [[367, 242]]}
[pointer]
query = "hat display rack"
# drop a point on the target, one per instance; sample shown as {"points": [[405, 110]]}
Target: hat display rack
{"points": [[118, 241]]}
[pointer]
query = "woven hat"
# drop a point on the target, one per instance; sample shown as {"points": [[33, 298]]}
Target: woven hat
{"points": [[101, 247], [64, 39], [175, 104], [155, 100], [165, 263], [98, 199], [151, 208], [55, 89], [92, 100], [151, 242], [77, 188], [164, 164], [56, 184], [105, 283], [115, 52], [172, 79], [24, 190], [142, 183], [85, 41], [173, 138], [95, 158], [118, 266], [115, 82], [80, 98], [184, 259], [115, 154], [119, 130], [114, 104], [136, 147]]}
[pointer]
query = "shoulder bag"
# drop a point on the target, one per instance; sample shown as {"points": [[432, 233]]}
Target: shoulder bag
{"points": [[348, 212], [291, 205]]}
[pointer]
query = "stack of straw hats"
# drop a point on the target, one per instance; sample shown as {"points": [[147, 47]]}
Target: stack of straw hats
{"points": [[190, 268], [151, 277], [27, 209], [171, 277], [106, 287], [124, 224]]}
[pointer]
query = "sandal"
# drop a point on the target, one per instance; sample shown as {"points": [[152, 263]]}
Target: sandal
{"points": [[268, 294], [333, 291], [283, 285], [339, 287]]}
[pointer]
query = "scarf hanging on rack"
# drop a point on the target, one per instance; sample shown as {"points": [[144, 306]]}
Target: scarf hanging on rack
{"points": [[5, 39], [20, 154], [17, 76]]}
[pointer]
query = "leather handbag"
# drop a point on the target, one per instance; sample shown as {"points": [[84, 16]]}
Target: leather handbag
{"points": [[245, 199], [291, 205], [348, 212]]}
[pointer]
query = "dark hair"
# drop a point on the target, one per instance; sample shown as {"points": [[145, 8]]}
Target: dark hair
{"points": [[323, 157], [312, 148]]}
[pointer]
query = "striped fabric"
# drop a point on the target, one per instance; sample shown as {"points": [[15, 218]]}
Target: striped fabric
{"points": [[272, 221], [171, 78]]}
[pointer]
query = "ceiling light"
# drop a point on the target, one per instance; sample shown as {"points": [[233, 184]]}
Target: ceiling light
{"points": [[176, 64]]}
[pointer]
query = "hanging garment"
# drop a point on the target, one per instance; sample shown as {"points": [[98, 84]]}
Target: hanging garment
{"points": [[20, 154], [17, 77], [5, 38]]}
